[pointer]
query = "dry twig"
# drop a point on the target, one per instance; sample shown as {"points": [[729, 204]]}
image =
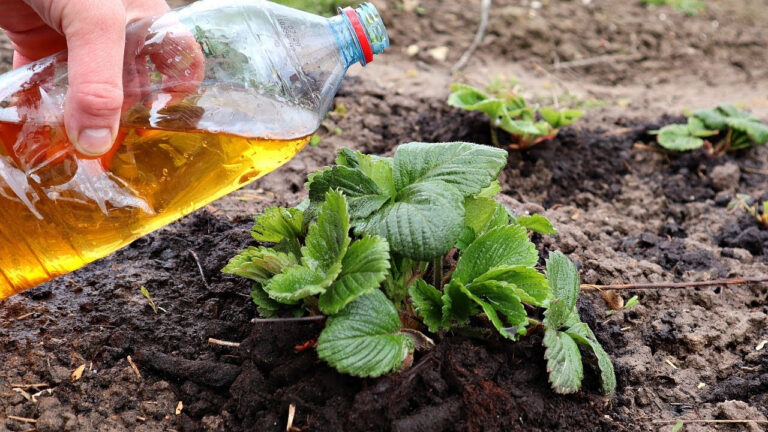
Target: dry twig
{"points": [[213, 341], [754, 170], [133, 366], [291, 416], [673, 285], [22, 419], [287, 320], [200, 267], [26, 386], [485, 11], [710, 421]]}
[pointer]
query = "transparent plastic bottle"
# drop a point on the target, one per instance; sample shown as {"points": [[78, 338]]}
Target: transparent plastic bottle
{"points": [[217, 94]]}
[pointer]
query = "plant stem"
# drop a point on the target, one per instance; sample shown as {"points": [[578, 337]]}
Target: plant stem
{"points": [[533, 322], [287, 320], [438, 272], [495, 136], [672, 285]]}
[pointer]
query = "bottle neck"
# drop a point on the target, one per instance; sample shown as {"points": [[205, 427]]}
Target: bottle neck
{"points": [[349, 44], [360, 33]]}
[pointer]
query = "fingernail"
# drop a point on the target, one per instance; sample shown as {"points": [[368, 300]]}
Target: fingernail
{"points": [[95, 142]]}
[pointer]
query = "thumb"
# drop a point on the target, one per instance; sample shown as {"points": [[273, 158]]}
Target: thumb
{"points": [[95, 33]]}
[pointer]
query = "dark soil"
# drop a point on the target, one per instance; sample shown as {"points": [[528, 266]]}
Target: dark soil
{"points": [[626, 212]]}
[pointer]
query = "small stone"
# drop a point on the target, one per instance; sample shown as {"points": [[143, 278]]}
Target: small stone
{"points": [[56, 420], [533, 208], [738, 410], [722, 199], [725, 177], [439, 53], [60, 374], [694, 342], [213, 424], [737, 253]]}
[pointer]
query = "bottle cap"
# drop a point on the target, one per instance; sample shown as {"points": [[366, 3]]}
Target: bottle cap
{"points": [[369, 29]]}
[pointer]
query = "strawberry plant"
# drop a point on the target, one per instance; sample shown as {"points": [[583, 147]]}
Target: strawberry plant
{"points": [[719, 130], [368, 250], [757, 210], [688, 7], [527, 125]]}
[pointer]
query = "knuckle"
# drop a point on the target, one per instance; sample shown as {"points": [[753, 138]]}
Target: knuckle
{"points": [[97, 99], [88, 18]]}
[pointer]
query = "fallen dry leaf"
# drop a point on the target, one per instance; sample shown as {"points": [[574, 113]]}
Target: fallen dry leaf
{"points": [[78, 373], [613, 300]]}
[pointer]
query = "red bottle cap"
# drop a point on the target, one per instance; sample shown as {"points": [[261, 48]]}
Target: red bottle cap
{"points": [[365, 44]]}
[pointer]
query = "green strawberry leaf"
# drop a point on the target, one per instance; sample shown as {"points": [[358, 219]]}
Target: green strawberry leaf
{"points": [[491, 191], [731, 111], [583, 335], [328, 238], [466, 238], [537, 223], [298, 282], [362, 192], [530, 285], [457, 305], [348, 158], [467, 167], [697, 128], [380, 171], [678, 137], [267, 307], [558, 119], [428, 304], [564, 281], [757, 132], [493, 297], [484, 214], [712, 118], [280, 225], [364, 339], [522, 127], [422, 223], [505, 246], [465, 97], [563, 362], [363, 269], [259, 263]]}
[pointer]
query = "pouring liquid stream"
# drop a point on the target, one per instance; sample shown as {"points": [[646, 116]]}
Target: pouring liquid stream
{"points": [[59, 212]]}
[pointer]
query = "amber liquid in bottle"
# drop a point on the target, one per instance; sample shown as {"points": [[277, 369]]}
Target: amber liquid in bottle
{"points": [[59, 212]]}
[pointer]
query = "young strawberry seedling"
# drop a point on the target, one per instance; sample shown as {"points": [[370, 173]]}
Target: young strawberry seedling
{"points": [[688, 7], [368, 248], [526, 124], [719, 130], [757, 210]]}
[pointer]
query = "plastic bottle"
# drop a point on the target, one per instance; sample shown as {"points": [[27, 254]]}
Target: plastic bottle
{"points": [[217, 94]]}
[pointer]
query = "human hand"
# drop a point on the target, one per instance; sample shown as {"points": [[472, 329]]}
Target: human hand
{"points": [[94, 33]]}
